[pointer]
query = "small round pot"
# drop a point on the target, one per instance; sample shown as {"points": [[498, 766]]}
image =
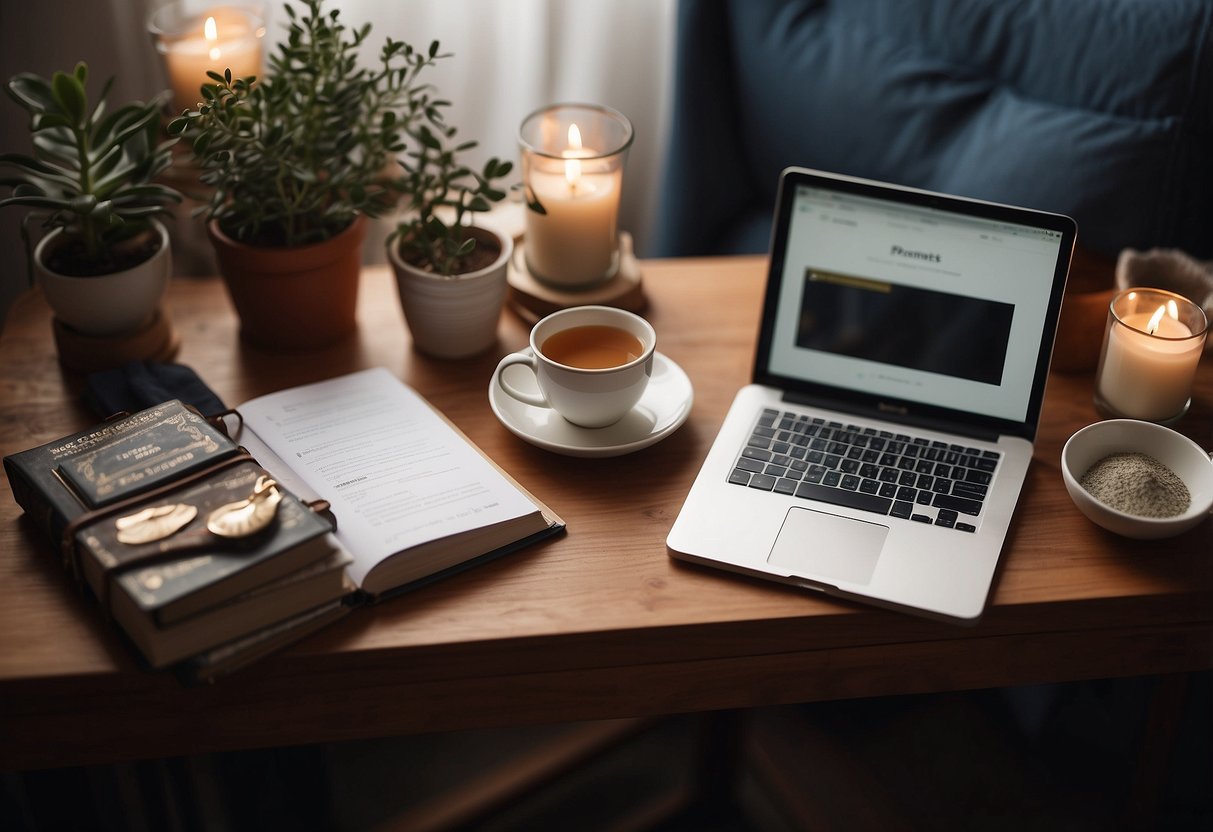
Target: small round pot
{"points": [[106, 304], [454, 317], [296, 298]]}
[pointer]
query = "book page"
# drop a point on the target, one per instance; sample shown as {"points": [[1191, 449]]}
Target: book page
{"points": [[395, 472]]}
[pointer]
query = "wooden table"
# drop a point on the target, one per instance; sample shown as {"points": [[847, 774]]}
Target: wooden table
{"points": [[600, 623]]}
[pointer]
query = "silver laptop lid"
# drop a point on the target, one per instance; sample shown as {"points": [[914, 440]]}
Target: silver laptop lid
{"points": [[910, 305]]}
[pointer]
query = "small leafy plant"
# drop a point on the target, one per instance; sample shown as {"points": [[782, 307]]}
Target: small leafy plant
{"points": [[91, 173], [438, 185], [294, 157]]}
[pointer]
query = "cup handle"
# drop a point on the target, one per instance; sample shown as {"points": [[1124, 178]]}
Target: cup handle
{"points": [[519, 358]]}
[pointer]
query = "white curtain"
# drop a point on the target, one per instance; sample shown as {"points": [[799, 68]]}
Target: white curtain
{"points": [[509, 57]]}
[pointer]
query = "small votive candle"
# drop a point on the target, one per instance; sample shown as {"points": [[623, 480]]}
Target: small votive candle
{"points": [[572, 177], [1152, 344], [195, 38]]}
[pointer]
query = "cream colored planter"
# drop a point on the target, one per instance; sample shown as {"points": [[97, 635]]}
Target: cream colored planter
{"points": [[107, 304], [453, 317]]}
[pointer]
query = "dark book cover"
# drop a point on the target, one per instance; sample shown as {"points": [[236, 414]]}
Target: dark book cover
{"points": [[61, 480], [192, 568], [227, 658]]}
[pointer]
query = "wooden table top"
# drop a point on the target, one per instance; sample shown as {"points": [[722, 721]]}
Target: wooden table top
{"points": [[599, 623]]}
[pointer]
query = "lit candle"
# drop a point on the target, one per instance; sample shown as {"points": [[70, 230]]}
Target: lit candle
{"points": [[575, 241], [1151, 349], [572, 240], [217, 39]]}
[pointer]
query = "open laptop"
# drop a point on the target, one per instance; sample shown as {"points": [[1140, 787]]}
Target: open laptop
{"points": [[902, 357]]}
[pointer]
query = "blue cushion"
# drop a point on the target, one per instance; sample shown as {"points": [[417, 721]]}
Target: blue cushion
{"points": [[1100, 109]]}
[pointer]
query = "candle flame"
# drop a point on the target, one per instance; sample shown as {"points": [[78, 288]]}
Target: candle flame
{"points": [[211, 32], [1173, 310], [1156, 319], [572, 167]]}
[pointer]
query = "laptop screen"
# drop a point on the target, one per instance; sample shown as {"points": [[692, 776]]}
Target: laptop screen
{"points": [[913, 303]]}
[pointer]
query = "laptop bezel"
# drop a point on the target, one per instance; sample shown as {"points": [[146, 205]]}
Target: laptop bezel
{"points": [[910, 412]]}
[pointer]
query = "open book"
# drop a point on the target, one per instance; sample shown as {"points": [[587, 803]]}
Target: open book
{"points": [[413, 497]]}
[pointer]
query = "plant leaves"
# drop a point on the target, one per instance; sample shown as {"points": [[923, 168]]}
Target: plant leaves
{"points": [[69, 96]]}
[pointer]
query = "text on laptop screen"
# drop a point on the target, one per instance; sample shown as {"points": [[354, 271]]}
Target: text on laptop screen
{"points": [[913, 302]]}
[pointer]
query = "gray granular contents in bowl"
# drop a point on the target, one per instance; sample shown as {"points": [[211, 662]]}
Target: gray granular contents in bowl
{"points": [[1137, 484]]}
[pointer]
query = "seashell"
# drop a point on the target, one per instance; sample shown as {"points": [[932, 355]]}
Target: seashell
{"points": [[155, 523], [248, 516]]}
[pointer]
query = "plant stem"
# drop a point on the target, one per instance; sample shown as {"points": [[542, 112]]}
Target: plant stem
{"points": [[88, 225]]}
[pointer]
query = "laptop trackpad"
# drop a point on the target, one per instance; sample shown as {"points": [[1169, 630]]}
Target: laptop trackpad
{"points": [[826, 547]]}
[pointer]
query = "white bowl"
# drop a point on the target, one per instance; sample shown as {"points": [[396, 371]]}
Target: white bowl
{"points": [[1179, 453]]}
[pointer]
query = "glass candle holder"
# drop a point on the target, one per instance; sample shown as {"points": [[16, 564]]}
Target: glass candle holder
{"points": [[1152, 344], [195, 37], [572, 176]]}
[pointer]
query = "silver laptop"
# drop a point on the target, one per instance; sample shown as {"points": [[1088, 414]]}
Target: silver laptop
{"points": [[901, 365]]}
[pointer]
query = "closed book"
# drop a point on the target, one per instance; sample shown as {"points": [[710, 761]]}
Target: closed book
{"points": [[263, 606], [59, 481], [230, 656], [193, 569]]}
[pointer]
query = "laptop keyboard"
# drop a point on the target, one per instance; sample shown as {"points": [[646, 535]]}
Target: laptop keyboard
{"points": [[864, 468]]}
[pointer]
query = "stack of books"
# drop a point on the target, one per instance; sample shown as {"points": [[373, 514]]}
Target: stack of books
{"points": [[206, 560]]}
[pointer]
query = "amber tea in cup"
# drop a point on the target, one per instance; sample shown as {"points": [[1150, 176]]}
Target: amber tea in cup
{"points": [[591, 364], [592, 347]]}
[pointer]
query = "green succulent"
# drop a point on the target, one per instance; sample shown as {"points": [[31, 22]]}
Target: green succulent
{"points": [[294, 157], [91, 172]]}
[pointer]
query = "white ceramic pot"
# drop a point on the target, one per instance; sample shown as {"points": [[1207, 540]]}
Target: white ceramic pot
{"points": [[453, 317], [106, 304]]}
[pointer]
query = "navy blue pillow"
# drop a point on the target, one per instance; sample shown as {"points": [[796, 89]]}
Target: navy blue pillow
{"points": [[1100, 109]]}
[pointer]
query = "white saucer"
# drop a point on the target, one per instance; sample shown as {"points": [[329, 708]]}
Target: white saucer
{"points": [[662, 409]]}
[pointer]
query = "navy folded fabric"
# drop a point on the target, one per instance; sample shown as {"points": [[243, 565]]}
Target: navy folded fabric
{"points": [[138, 385]]}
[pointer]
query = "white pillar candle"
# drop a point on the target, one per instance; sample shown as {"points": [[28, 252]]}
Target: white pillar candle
{"points": [[572, 173], [217, 39], [1149, 363], [575, 241]]}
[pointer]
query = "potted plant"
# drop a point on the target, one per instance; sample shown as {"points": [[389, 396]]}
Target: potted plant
{"points": [[295, 162], [451, 274], [105, 262]]}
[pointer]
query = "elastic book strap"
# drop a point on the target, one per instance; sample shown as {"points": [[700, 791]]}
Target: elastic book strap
{"points": [[67, 544]]}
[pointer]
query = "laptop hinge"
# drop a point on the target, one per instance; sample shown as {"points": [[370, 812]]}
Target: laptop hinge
{"points": [[908, 419]]}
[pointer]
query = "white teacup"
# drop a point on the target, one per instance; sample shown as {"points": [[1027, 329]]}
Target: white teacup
{"points": [[592, 364]]}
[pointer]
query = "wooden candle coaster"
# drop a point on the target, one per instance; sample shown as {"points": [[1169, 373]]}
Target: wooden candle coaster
{"points": [[156, 341], [532, 299]]}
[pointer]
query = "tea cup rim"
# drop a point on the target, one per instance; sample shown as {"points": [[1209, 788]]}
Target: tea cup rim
{"points": [[649, 342]]}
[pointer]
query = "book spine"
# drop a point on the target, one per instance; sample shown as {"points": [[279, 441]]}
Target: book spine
{"points": [[49, 504]]}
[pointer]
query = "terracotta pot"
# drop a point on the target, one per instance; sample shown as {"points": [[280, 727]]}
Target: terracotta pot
{"points": [[296, 298], [107, 304], [454, 317]]}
